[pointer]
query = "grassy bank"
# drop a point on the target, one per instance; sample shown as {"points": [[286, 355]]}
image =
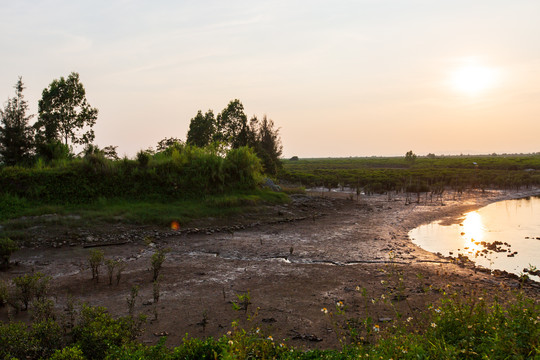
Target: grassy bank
{"points": [[19, 214]]}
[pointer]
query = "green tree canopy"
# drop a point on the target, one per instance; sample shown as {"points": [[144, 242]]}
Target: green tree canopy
{"points": [[202, 129], [232, 126], [64, 113], [410, 157], [16, 135]]}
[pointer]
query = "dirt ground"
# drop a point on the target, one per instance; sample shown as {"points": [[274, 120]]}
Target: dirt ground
{"points": [[294, 260]]}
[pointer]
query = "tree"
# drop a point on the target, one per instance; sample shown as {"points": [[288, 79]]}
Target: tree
{"points": [[168, 144], [410, 157], [15, 134], [232, 125], [64, 113], [268, 146], [202, 129]]}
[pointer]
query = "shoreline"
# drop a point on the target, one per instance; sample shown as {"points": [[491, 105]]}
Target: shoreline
{"points": [[455, 216]]}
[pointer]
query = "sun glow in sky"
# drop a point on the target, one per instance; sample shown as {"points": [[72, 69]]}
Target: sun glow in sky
{"points": [[340, 78], [474, 79]]}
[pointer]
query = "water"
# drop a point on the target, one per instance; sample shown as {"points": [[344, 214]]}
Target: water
{"points": [[513, 224]]}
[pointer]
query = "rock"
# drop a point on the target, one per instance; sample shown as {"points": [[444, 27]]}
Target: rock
{"points": [[270, 184], [385, 319], [147, 302]]}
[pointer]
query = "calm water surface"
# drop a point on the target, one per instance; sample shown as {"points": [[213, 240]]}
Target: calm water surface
{"points": [[514, 222]]}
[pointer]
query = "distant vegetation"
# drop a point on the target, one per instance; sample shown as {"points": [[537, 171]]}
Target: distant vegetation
{"points": [[414, 173]]}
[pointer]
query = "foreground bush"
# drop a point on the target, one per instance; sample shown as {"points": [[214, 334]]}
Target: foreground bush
{"points": [[459, 327]]}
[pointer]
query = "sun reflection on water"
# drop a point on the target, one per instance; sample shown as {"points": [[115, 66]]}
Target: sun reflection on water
{"points": [[473, 231]]}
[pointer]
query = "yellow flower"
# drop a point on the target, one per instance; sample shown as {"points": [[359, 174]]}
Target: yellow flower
{"points": [[433, 325], [376, 328], [339, 304], [324, 310], [270, 338]]}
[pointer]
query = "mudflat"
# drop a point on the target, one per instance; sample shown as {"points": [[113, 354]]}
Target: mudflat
{"points": [[295, 260]]}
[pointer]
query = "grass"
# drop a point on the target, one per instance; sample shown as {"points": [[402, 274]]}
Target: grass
{"points": [[138, 212], [382, 174]]}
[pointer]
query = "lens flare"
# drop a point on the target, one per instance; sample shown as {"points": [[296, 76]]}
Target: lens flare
{"points": [[175, 225]]}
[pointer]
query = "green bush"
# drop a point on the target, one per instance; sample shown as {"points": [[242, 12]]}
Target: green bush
{"points": [[29, 287], [47, 337], [7, 247], [98, 332], [16, 341], [68, 353], [191, 173], [95, 259], [194, 348], [4, 293], [242, 168]]}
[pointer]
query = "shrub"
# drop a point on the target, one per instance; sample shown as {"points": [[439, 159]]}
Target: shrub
{"points": [[193, 349], [7, 247], [242, 168], [47, 337], [68, 353], [28, 287], [111, 265], [4, 293], [143, 158], [95, 259], [99, 332], [157, 262], [16, 342]]}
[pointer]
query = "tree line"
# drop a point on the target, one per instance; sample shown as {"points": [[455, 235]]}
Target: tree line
{"points": [[65, 118]]}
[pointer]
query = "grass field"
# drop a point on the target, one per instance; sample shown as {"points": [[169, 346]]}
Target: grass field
{"points": [[382, 174]]}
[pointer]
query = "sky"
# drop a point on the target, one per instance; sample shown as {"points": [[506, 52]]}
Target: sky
{"points": [[339, 78]]}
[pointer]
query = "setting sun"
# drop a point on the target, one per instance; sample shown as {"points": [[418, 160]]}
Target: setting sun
{"points": [[473, 79]]}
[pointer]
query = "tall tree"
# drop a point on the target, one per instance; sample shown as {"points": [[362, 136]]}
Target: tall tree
{"points": [[232, 125], [15, 134], [268, 146], [64, 113], [202, 129]]}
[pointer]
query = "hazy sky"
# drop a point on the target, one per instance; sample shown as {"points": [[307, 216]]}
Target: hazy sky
{"points": [[340, 78]]}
